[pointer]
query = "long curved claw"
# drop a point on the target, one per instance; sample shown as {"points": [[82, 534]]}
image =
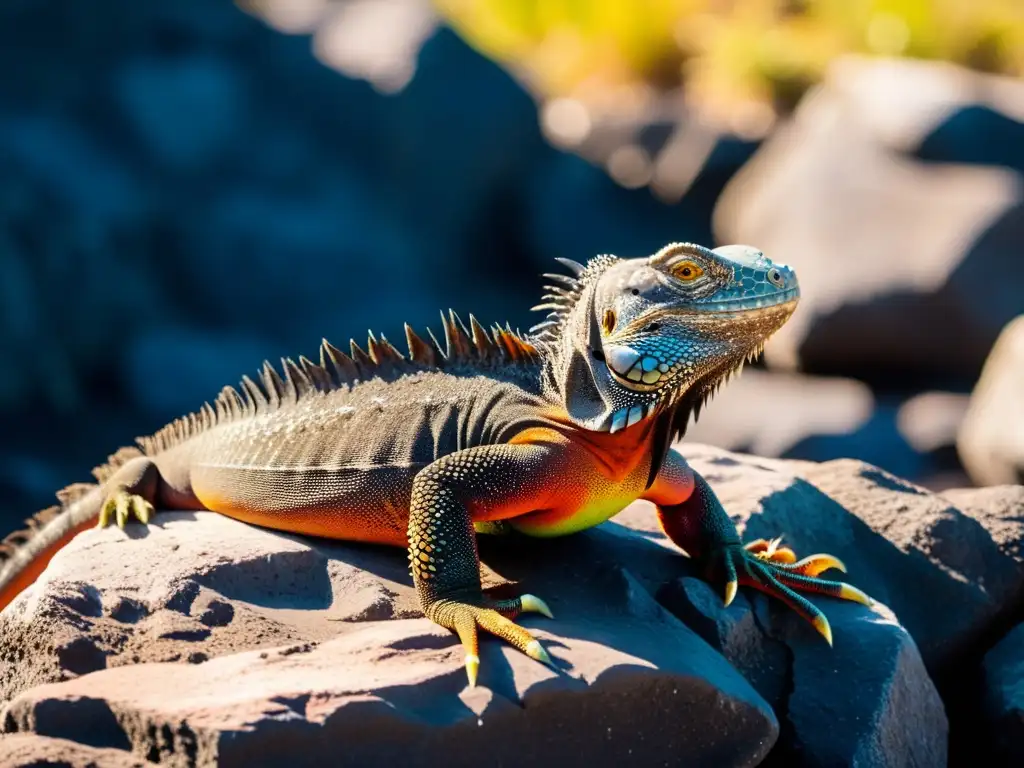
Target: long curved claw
{"points": [[533, 604], [142, 509], [731, 582], [105, 512], [121, 509], [821, 624], [760, 576], [536, 651], [472, 668]]}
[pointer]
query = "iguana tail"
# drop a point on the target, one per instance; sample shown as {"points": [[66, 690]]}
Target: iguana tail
{"points": [[25, 553]]}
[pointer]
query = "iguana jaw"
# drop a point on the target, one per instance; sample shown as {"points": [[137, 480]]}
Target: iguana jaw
{"points": [[641, 372]]}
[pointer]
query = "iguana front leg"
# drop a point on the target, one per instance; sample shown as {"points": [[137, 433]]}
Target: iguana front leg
{"points": [[693, 518], [490, 482]]}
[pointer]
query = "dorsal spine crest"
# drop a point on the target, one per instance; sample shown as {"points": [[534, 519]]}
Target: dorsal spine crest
{"points": [[335, 371]]}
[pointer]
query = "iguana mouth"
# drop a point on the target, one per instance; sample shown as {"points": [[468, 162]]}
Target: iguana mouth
{"points": [[635, 370]]}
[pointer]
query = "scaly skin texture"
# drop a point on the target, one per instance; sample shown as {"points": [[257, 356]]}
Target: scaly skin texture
{"points": [[545, 434]]}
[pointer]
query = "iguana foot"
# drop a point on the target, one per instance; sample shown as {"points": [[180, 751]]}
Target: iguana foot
{"points": [[121, 505], [774, 570], [494, 616]]}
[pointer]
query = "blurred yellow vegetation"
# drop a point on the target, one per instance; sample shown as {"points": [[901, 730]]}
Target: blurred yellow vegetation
{"points": [[603, 52]]}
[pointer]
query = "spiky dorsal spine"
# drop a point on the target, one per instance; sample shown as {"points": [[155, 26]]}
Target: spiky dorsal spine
{"points": [[337, 370], [562, 294]]}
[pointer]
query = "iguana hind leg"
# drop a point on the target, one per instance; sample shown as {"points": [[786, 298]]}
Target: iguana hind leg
{"points": [[131, 492], [486, 482]]}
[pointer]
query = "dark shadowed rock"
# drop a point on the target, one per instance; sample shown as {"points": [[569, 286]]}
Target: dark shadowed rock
{"points": [[395, 692], [991, 441], [1004, 692], [866, 701], [939, 231]]}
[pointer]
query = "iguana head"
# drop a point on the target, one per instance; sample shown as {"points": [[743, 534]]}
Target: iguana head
{"points": [[631, 338]]}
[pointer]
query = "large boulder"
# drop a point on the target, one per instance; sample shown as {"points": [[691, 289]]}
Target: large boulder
{"points": [[277, 642], [282, 649], [895, 193], [991, 440]]}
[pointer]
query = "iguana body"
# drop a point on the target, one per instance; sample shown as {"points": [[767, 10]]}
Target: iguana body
{"points": [[546, 434]]}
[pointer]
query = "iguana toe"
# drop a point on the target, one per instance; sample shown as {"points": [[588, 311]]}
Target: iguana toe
{"points": [[494, 617]]}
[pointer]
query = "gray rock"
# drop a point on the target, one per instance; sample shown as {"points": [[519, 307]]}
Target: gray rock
{"points": [[939, 232], [991, 440], [295, 647], [867, 701], [817, 418]]}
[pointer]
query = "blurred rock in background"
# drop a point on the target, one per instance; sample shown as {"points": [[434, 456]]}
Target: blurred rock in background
{"points": [[188, 187], [991, 441], [895, 190]]}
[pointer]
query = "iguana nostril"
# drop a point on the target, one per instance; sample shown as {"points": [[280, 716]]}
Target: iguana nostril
{"points": [[775, 277]]}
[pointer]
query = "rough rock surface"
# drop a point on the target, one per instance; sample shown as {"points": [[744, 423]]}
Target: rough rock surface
{"points": [[344, 653], [991, 440], [31, 751], [296, 645], [940, 231]]}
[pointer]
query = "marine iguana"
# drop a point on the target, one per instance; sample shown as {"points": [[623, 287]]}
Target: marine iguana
{"points": [[544, 433]]}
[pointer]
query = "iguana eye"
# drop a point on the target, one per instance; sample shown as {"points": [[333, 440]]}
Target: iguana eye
{"points": [[687, 271]]}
